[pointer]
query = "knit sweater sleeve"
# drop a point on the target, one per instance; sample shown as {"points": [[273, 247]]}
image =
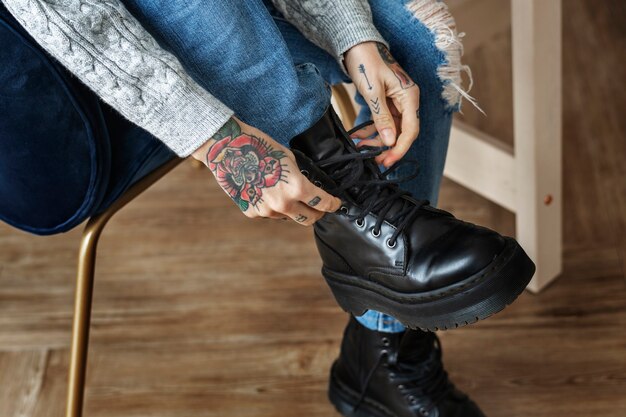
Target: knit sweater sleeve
{"points": [[333, 25], [108, 50]]}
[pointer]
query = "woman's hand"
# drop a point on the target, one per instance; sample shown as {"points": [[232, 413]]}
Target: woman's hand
{"points": [[262, 177], [392, 97]]}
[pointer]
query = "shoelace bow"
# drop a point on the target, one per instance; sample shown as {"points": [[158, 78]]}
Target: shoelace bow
{"points": [[377, 195], [425, 378]]}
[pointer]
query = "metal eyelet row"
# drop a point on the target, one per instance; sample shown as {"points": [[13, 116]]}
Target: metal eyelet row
{"points": [[361, 223], [390, 245]]}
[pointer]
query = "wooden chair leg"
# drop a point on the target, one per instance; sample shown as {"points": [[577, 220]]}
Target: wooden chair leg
{"points": [[344, 104], [537, 106], [84, 289]]}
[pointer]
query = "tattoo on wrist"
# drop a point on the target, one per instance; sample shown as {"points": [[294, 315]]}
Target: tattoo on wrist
{"points": [[315, 201], [300, 218], [244, 164], [401, 75]]}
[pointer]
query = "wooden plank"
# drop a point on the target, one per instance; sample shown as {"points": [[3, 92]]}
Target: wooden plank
{"points": [[21, 378], [482, 164]]}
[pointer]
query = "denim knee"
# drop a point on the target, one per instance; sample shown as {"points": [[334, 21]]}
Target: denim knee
{"points": [[423, 35]]}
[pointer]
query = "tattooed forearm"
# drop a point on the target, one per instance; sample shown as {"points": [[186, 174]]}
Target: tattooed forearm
{"points": [[315, 201], [244, 164], [362, 71], [401, 75]]}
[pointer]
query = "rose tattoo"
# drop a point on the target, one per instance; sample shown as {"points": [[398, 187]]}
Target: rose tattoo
{"points": [[244, 165]]}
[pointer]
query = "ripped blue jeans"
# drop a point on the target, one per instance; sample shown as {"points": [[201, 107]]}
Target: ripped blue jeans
{"points": [[256, 62]]}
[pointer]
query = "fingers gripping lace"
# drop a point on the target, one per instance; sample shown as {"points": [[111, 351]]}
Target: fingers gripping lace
{"points": [[378, 193]]}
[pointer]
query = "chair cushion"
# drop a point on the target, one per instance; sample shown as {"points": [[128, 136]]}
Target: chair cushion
{"points": [[64, 155], [134, 154]]}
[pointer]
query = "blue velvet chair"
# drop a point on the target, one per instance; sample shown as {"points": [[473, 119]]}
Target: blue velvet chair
{"points": [[66, 158]]}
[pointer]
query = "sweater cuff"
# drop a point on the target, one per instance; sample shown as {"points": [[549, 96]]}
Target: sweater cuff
{"points": [[347, 31], [188, 119]]}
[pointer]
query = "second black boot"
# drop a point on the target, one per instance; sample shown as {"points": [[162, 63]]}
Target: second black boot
{"points": [[386, 251], [394, 375]]}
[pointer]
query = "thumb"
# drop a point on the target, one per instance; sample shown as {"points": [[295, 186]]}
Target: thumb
{"points": [[383, 120]]}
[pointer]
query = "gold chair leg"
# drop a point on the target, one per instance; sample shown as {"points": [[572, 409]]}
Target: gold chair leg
{"points": [[346, 109], [84, 289]]}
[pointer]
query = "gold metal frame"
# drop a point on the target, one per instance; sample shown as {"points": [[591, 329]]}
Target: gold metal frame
{"points": [[87, 265], [84, 288]]}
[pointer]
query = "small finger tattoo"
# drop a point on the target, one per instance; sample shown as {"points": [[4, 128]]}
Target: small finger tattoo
{"points": [[362, 71], [417, 113], [375, 105], [300, 218], [315, 201]]}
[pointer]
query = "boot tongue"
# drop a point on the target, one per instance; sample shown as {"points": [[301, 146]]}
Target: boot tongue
{"points": [[325, 139]]}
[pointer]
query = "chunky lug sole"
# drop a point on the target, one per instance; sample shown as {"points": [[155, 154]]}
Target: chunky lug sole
{"points": [[468, 301], [345, 399]]}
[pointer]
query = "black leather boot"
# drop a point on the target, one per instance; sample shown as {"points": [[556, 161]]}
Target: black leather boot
{"points": [[386, 251], [394, 375]]}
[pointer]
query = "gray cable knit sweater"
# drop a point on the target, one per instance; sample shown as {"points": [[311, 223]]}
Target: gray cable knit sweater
{"points": [[107, 49]]}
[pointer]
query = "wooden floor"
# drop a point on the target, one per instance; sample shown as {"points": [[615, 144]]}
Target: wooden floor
{"points": [[193, 318]]}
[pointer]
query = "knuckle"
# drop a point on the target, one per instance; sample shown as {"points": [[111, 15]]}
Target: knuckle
{"points": [[327, 205], [297, 183], [383, 118], [289, 154], [282, 206]]}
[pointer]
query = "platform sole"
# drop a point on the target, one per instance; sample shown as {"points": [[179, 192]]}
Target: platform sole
{"points": [[473, 299]]}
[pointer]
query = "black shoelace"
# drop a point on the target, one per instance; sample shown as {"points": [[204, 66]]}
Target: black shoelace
{"points": [[378, 194], [416, 380]]}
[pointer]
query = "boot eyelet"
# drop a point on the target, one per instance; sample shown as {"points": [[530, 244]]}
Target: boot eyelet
{"points": [[390, 245], [400, 387], [317, 184], [412, 399], [344, 209], [423, 411], [375, 233], [360, 222], [305, 173], [386, 341]]}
